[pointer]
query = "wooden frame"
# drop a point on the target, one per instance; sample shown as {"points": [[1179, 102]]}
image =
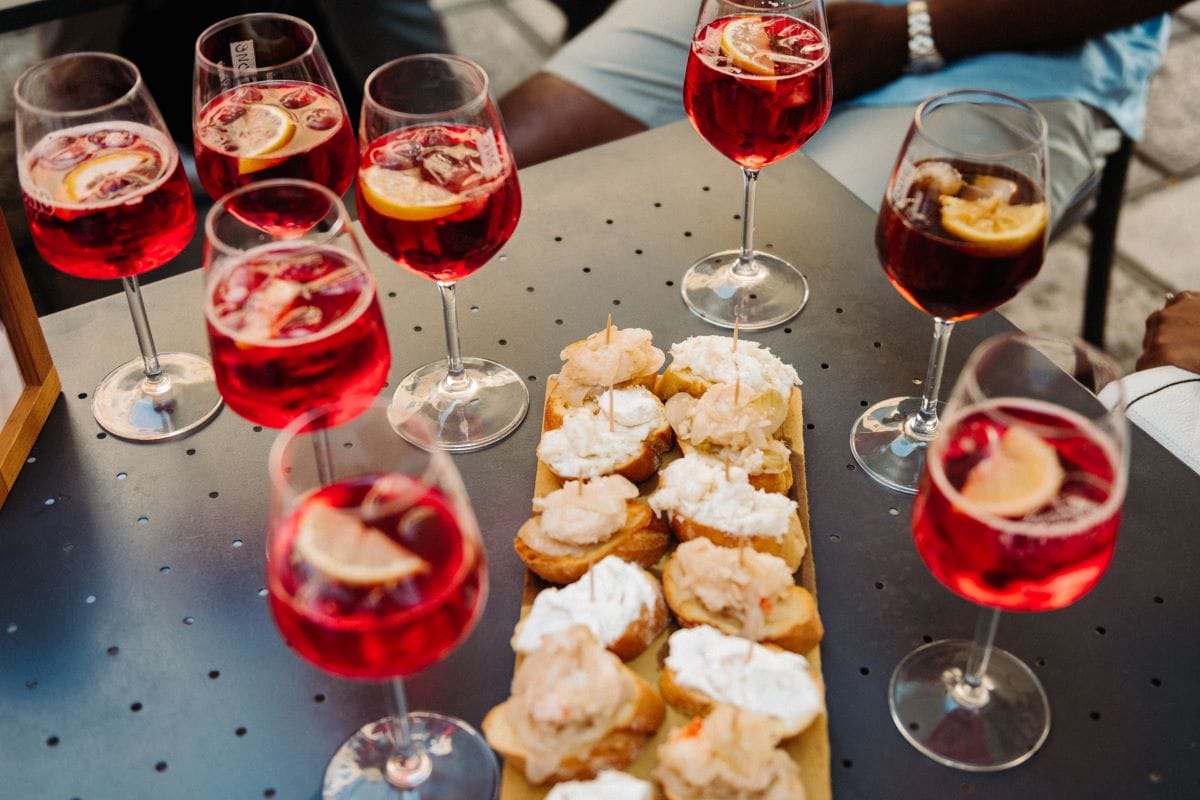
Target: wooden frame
{"points": [[40, 380]]}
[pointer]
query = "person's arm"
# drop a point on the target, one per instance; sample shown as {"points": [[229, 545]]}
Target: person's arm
{"points": [[869, 42]]}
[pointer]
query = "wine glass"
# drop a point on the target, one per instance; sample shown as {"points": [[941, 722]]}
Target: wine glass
{"points": [[375, 571], [266, 105], [757, 87], [107, 197], [1017, 510], [437, 192], [961, 229], [293, 318]]}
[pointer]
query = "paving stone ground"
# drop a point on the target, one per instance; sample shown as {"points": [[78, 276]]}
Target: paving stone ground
{"points": [[1158, 239]]}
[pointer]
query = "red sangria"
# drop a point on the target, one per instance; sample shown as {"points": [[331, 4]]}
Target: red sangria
{"points": [[292, 327], [438, 199], [372, 577], [274, 129], [1020, 506], [963, 237], [757, 87], [107, 199]]}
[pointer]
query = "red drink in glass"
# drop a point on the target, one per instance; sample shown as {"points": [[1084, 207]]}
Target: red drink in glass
{"points": [[107, 200], [440, 200], [292, 328], [757, 110], [1044, 560], [942, 273], [384, 630], [274, 129]]}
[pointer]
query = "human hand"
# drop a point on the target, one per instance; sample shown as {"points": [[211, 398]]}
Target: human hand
{"points": [[1173, 334], [868, 44]]}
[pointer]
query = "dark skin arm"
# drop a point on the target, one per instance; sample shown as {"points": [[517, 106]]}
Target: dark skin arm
{"points": [[1173, 334], [547, 117]]}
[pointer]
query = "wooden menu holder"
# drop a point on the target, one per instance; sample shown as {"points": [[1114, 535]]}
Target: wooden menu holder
{"points": [[39, 380]]}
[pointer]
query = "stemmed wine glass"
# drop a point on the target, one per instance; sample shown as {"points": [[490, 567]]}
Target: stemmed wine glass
{"points": [[437, 191], [961, 229], [292, 311], [757, 87], [266, 105], [1017, 510], [376, 571], [107, 197]]}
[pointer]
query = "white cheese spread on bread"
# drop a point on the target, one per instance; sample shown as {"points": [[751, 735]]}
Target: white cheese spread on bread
{"points": [[575, 518], [736, 671], [608, 785], [720, 496], [713, 359], [610, 597]]}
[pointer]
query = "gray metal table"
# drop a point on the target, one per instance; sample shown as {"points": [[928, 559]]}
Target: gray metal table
{"points": [[138, 660]]}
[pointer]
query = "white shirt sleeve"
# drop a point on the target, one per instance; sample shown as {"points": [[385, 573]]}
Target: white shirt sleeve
{"points": [[1165, 403]]}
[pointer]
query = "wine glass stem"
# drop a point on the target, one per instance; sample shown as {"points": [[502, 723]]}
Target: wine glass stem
{"points": [[745, 266], [408, 765], [155, 382], [924, 423], [972, 690], [456, 381]]}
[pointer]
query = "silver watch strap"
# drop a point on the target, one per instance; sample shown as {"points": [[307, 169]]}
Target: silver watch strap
{"points": [[923, 55]]}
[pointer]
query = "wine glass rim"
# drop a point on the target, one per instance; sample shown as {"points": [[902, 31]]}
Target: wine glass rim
{"points": [[479, 98], [1037, 140], [222, 205], [134, 88], [228, 21]]}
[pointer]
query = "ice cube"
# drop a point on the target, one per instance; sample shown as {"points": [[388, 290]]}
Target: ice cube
{"points": [[936, 177], [229, 114], [454, 168], [112, 138], [299, 320], [299, 98], [247, 94], [983, 187], [71, 152], [268, 307], [115, 186], [397, 155], [321, 119]]}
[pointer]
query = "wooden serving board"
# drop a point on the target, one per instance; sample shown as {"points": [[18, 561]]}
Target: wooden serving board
{"points": [[811, 748]]}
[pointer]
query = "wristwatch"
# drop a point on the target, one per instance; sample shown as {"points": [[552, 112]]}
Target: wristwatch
{"points": [[923, 55]]}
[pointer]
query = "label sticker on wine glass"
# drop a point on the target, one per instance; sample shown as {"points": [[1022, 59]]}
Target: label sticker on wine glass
{"points": [[489, 154], [242, 56]]}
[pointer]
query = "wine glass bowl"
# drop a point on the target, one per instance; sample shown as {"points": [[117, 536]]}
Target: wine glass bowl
{"points": [[1018, 510], [757, 86], [962, 227], [438, 193], [293, 318], [266, 105], [376, 571], [106, 197]]}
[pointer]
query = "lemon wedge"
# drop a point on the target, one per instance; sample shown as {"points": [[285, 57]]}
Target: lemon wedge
{"points": [[262, 130], [342, 547], [747, 45], [82, 181], [405, 195], [1005, 229], [1020, 476]]}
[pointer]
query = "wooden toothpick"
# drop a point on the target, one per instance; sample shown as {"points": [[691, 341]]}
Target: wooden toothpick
{"points": [[737, 321], [592, 583], [608, 331]]}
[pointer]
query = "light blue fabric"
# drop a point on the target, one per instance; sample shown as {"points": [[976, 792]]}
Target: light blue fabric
{"points": [[634, 58]]}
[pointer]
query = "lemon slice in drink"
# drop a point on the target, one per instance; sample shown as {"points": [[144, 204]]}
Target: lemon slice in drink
{"points": [[1005, 229], [1020, 476], [342, 547], [81, 183], [262, 130], [747, 45], [403, 194]]}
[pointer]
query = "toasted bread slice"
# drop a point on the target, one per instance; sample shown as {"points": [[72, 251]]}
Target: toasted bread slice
{"points": [[626, 439], [792, 623], [557, 406], [641, 540], [615, 749], [778, 480], [790, 547]]}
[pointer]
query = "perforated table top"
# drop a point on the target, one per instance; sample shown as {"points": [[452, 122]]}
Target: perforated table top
{"points": [[138, 659]]}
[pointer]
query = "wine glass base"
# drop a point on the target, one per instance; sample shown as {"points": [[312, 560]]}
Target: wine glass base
{"points": [[940, 717], [491, 405], [775, 293], [461, 765], [128, 406], [886, 447]]}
